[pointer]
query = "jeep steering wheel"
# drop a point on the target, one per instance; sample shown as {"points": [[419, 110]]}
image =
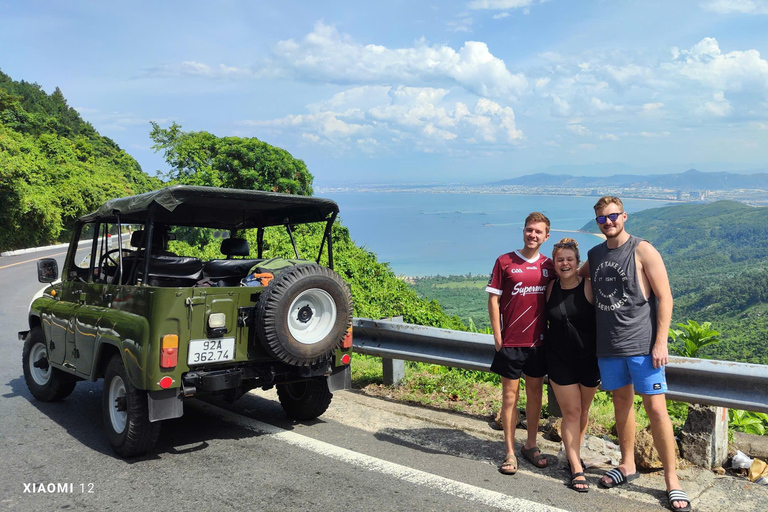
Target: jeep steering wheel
{"points": [[110, 261]]}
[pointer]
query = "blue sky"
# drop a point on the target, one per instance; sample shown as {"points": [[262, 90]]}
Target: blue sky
{"points": [[416, 91]]}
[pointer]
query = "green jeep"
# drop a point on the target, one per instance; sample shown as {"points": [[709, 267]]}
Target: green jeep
{"points": [[162, 326]]}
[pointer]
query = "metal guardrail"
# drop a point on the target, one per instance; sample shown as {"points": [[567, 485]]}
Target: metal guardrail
{"points": [[697, 381]]}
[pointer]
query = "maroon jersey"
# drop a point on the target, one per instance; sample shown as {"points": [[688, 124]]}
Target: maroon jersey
{"points": [[522, 285]]}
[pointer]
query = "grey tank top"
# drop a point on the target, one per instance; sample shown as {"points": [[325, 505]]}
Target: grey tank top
{"points": [[626, 320]]}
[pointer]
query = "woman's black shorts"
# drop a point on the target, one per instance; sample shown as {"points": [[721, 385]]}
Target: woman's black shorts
{"points": [[512, 362], [582, 370]]}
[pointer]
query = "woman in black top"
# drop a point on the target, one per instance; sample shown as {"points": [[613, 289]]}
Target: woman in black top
{"points": [[573, 371]]}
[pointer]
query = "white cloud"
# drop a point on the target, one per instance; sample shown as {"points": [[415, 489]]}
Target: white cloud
{"points": [[462, 23], [602, 106], [422, 117], [501, 15], [500, 4], [609, 136], [651, 135], [326, 55], [718, 107], [740, 6], [705, 63], [578, 129], [628, 73], [649, 107], [192, 68]]}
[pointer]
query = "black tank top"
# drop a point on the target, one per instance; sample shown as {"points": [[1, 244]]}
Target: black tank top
{"points": [[581, 314]]}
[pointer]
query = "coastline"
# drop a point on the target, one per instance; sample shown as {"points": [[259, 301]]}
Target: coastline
{"points": [[598, 235]]}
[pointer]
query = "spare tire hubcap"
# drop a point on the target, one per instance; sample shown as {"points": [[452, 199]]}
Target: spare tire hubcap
{"points": [[311, 316]]}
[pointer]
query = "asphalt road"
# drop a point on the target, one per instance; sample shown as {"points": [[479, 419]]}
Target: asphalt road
{"points": [[362, 455]]}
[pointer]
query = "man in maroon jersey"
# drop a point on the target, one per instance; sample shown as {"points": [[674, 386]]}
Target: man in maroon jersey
{"points": [[516, 308]]}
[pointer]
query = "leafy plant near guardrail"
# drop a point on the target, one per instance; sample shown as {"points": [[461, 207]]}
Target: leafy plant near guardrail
{"points": [[694, 337], [748, 422]]}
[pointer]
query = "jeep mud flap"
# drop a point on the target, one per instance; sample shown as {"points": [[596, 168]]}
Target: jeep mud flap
{"points": [[165, 404], [340, 380]]}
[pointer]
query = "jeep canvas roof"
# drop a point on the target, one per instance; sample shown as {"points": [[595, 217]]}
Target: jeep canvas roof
{"points": [[216, 208]]}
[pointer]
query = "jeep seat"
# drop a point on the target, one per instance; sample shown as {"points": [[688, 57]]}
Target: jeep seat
{"points": [[231, 271], [174, 271]]}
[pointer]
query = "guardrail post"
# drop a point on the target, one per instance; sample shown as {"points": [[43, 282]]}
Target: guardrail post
{"points": [[393, 370], [704, 437], [552, 406]]}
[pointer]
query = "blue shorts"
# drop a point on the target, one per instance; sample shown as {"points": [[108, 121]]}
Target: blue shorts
{"points": [[617, 372]]}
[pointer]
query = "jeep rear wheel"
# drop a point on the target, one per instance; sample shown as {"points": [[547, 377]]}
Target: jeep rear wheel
{"points": [[304, 314], [126, 413], [46, 383], [305, 400]]}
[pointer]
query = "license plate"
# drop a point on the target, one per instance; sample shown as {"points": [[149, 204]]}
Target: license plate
{"points": [[211, 351]]}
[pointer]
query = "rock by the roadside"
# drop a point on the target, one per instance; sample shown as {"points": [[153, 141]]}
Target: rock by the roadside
{"points": [[552, 429], [646, 456], [520, 420], [595, 451]]}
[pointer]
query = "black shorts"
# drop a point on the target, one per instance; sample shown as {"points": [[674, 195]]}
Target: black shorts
{"points": [[582, 370], [511, 362]]}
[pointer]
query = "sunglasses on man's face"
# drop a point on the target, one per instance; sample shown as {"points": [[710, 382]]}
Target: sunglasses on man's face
{"points": [[602, 218]]}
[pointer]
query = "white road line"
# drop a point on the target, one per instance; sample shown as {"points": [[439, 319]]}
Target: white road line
{"points": [[414, 476]]}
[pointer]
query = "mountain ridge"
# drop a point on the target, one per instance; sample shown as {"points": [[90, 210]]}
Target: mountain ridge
{"points": [[689, 180]]}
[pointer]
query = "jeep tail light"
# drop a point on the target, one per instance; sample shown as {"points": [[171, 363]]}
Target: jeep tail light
{"points": [[347, 342], [169, 352], [345, 359]]}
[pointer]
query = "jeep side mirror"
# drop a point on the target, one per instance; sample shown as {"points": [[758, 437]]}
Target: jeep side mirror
{"points": [[47, 270]]}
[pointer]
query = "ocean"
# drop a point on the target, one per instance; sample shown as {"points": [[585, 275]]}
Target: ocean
{"points": [[429, 234]]}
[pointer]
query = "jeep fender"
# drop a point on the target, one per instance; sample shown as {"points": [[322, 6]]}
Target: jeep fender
{"points": [[128, 334]]}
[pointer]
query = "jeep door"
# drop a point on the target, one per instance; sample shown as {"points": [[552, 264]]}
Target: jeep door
{"points": [[98, 295], [60, 322]]}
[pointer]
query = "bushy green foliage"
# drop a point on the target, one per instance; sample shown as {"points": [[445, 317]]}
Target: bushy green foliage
{"points": [[748, 422], [694, 337], [54, 167], [200, 158]]}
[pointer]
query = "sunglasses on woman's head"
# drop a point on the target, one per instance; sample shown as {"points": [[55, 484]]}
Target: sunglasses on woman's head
{"points": [[602, 218], [563, 245]]}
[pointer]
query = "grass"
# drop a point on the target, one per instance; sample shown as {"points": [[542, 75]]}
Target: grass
{"points": [[479, 393]]}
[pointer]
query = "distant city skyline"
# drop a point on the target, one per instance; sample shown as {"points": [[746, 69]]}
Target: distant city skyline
{"points": [[417, 92]]}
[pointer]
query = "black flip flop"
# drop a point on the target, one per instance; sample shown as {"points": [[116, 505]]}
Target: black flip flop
{"points": [[679, 495], [617, 478], [575, 482]]}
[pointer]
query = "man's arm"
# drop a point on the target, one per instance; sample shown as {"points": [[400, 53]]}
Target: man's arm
{"points": [[654, 269], [495, 316]]}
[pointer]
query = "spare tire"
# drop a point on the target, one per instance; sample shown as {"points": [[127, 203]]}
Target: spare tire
{"points": [[303, 314]]}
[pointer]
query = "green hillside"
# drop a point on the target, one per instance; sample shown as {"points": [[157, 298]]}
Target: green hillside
{"points": [[717, 262], [54, 166]]}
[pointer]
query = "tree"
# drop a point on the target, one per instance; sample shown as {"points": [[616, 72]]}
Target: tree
{"points": [[200, 158], [694, 337]]}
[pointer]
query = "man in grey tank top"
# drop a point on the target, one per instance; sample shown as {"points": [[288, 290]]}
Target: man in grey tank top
{"points": [[633, 306]]}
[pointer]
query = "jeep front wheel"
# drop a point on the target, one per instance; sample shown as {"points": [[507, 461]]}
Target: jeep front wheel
{"points": [[126, 413], [305, 400], [304, 314], [46, 383]]}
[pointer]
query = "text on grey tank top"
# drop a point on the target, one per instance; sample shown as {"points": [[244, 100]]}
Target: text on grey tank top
{"points": [[626, 321]]}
